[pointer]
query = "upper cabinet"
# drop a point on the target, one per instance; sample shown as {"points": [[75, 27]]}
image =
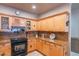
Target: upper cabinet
{"points": [[31, 25], [5, 23], [60, 22], [18, 21], [56, 23]]}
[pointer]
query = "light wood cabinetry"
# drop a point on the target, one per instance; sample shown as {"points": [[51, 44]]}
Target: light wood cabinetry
{"points": [[18, 21], [31, 25], [39, 45], [31, 44], [47, 24], [53, 51], [5, 23], [46, 48], [60, 22], [49, 49], [5, 50], [55, 24], [56, 50]]}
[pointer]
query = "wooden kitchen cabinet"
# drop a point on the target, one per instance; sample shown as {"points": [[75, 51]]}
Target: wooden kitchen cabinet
{"points": [[31, 44], [60, 22], [16, 21], [46, 48], [53, 49], [31, 25], [39, 45], [60, 50], [56, 50], [54, 24], [5, 23], [7, 49]]}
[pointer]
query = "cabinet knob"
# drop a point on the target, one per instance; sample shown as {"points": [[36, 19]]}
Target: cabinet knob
{"points": [[34, 25], [2, 54], [30, 46]]}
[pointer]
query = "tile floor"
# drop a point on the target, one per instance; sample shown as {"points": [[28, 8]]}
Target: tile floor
{"points": [[74, 54], [35, 53]]}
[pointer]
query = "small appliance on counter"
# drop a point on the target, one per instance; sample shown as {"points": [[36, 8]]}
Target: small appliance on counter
{"points": [[52, 36]]}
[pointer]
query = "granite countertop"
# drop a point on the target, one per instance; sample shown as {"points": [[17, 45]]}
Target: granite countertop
{"points": [[56, 41], [61, 42]]}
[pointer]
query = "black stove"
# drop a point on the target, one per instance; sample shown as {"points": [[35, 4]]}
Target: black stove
{"points": [[18, 46]]}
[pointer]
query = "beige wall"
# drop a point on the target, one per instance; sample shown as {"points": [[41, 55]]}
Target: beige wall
{"points": [[65, 7]]}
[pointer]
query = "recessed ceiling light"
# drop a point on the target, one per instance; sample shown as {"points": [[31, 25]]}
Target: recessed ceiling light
{"points": [[33, 6], [17, 12]]}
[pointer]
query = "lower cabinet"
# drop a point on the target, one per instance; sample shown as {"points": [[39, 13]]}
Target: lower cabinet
{"points": [[6, 50], [60, 50], [53, 49], [56, 50], [31, 45], [49, 49], [39, 45], [45, 47]]}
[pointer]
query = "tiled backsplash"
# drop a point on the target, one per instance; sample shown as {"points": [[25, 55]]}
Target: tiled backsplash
{"points": [[59, 35]]}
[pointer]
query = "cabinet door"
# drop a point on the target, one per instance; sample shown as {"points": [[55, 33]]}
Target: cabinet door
{"points": [[53, 50], [39, 45], [46, 48], [5, 23], [16, 21], [7, 49], [23, 22], [56, 50], [60, 50], [33, 25], [31, 45], [60, 22], [2, 50], [41, 25], [49, 24]]}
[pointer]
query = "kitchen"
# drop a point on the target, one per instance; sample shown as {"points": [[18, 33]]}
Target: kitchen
{"points": [[34, 29]]}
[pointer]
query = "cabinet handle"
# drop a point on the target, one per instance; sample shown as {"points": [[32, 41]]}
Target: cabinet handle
{"points": [[30, 46], [2, 54], [55, 45], [34, 25]]}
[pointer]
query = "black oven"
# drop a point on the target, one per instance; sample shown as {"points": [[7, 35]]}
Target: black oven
{"points": [[18, 46]]}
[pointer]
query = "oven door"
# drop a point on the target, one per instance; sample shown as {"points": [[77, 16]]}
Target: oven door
{"points": [[19, 48]]}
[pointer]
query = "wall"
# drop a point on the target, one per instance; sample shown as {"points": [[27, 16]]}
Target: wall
{"points": [[75, 22], [65, 7], [11, 11]]}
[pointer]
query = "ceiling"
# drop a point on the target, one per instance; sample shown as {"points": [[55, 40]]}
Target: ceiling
{"points": [[40, 7]]}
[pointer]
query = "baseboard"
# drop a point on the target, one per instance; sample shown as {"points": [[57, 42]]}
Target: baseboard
{"points": [[31, 51], [40, 52], [74, 38], [37, 51]]}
